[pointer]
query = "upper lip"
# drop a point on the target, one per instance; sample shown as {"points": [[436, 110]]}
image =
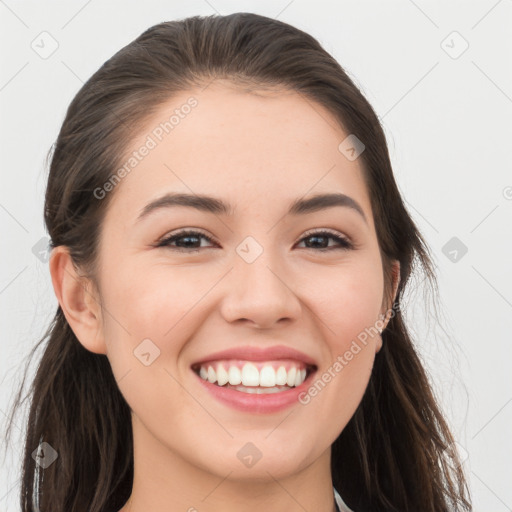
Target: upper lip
{"points": [[251, 353]]}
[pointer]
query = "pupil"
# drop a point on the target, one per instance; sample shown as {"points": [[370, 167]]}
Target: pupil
{"points": [[187, 237], [316, 237]]}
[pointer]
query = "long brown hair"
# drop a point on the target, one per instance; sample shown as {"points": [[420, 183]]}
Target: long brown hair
{"points": [[397, 452]]}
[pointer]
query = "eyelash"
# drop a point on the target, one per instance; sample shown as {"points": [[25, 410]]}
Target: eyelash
{"points": [[344, 242]]}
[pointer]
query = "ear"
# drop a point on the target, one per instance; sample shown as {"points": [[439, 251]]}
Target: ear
{"points": [[395, 272], [78, 300], [385, 313]]}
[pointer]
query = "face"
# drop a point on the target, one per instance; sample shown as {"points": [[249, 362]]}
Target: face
{"points": [[255, 277]]}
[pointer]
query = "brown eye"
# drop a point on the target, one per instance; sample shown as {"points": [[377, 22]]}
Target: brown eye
{"points": [[185, 241], [322, 237]]}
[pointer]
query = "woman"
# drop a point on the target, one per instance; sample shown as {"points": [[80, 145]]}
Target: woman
{"points": [[229, 251]]}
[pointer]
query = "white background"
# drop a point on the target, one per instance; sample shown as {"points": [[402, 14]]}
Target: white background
{"points": [[449, 126]]}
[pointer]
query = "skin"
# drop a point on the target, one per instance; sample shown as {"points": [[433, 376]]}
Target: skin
{"points": [[259, 152]]}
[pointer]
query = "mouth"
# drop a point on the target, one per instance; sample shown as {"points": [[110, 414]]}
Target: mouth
{"points": [[255, 377]]}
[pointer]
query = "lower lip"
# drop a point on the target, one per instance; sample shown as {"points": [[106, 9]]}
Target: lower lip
{"points": [[262, 403]]}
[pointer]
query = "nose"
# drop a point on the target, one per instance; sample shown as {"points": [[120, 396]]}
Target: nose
{"points": [[260, 293]]}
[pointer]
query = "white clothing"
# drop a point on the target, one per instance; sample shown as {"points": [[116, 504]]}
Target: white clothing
{"points": [[341, 504]]}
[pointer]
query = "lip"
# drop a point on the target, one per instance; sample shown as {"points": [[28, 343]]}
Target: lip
{"points": [[253, 403], [249, 353]]}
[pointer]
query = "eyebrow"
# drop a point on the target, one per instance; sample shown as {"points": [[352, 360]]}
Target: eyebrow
{"points": [[217, 206]]}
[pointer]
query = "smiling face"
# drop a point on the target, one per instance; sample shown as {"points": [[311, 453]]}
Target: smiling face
{"points": [[259, 279]]}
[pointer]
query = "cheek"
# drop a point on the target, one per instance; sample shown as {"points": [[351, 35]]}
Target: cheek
{"points": [[163, 304], [347, 300], [350, 312], [150, 299], [150, 317]]}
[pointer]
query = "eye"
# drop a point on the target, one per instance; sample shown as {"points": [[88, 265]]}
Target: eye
{"points": [[190, 237], [324, 236], [186, 239]]}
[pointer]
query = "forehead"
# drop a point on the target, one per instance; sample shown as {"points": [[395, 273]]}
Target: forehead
{"points": [[262, 147]]}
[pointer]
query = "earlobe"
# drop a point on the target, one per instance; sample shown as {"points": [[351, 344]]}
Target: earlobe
{"points": [[77, 300]]}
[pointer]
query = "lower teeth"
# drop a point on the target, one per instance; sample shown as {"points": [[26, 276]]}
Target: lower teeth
{"points": [[257, 389]]}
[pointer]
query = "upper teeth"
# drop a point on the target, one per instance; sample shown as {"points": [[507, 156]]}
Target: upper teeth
{"points": [[249, 375]]}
